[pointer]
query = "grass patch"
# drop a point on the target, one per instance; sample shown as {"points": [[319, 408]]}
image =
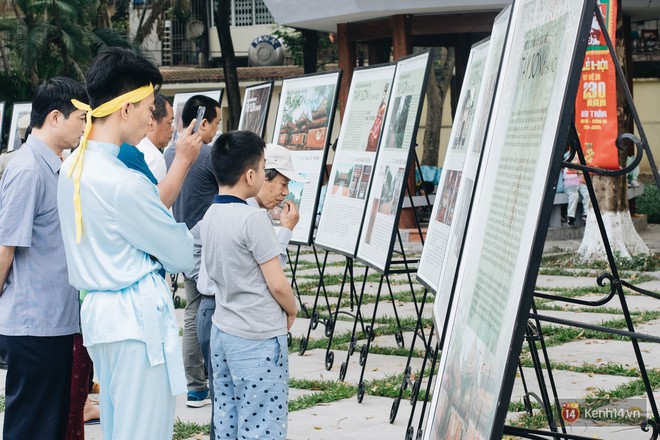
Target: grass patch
{"points": [[610, 369], [325, 392], [184, 430], [2, 403], [571, 260]]}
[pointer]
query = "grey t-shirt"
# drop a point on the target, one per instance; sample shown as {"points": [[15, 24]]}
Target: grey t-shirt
{"points": [[236, 240]]}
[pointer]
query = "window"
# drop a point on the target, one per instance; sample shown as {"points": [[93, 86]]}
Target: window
{"points": [[250, 13]]}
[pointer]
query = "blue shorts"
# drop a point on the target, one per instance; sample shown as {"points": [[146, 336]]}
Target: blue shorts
{"points": [[251, 384]]}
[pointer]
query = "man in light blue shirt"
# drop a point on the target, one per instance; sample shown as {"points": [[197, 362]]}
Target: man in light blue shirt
{"points": [[127, 318], [38, 306]]}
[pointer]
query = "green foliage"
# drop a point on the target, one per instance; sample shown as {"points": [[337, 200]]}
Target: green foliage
{"points": [[649, 203], [184, 430], [293, 40]]}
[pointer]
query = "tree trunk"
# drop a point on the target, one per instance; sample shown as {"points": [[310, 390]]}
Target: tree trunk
{"points": [[310, 50], [3, 54], [436, 91], [611, 192], [222, 14], [147, 22]]}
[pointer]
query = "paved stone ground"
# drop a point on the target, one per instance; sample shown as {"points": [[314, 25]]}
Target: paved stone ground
{"points": [[337, 416]]}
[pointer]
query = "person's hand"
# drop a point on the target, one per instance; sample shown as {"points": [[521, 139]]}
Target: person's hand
{"points": [[290, 215], [189, 144], [289, 321]]}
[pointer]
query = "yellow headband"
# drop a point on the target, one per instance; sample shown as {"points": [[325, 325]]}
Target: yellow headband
{"points": [[102, 110]]}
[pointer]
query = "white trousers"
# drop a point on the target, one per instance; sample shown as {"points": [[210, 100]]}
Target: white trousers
{"points": [[136, 399]]}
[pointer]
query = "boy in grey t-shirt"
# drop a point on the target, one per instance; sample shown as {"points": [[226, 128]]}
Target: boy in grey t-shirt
{"points": [[255, 305]]}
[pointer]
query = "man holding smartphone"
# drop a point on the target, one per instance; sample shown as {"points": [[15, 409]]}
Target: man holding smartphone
{"points": [[197, 192]]}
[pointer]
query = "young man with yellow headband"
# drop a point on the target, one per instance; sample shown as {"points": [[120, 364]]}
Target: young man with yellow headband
{"points": [[113, 222]]}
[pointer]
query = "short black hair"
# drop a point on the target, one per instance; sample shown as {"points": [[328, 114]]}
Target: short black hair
{"points": [[116, 71], [233, 153], [271, 173], [55, 94], [193, 103], [160, 106]]}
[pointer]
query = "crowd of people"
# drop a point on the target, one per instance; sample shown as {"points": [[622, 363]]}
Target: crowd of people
{"points": [[85, 243]]}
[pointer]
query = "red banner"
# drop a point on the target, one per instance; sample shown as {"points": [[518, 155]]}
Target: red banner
{"points": [[595, 103]]}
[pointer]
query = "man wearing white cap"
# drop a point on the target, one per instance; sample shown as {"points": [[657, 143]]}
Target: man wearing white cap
{"points": [[279, 172]]}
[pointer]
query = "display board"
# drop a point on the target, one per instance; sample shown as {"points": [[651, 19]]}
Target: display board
{"points": [[353, 163], [20, 109], [475, 155], [526, 135], [399, 137], [304, 125], [444, 211], [180, 100], [256, 103]]}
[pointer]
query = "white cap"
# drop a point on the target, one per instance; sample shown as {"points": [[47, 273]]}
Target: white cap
{"points": [[279, 159]]}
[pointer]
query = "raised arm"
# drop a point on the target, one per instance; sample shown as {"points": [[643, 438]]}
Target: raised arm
{"points": [[188, 146]]}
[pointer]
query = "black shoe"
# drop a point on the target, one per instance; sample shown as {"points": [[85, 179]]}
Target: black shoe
{"points": [[571, 221], [3, 365]]}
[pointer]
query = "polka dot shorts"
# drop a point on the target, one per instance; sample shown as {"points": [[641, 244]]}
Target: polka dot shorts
{"points": [[251, 383]]}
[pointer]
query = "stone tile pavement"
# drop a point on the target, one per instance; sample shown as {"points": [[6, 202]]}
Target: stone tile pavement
{"points": [[345, 418]]}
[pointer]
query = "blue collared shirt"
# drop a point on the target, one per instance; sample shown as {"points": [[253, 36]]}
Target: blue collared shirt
{"points": [[124, 222], [37, 299]]}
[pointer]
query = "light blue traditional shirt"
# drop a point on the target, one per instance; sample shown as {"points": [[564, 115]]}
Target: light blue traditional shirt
{"points": [[124, 225]]}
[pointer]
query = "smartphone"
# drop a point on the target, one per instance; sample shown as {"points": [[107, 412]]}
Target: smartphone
{"points": [[200, 115]]}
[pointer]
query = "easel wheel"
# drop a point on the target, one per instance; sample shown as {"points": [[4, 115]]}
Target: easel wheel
{"points": [[394, 410], [329, 360], [303, 346], [342, 372], [360, 392]]}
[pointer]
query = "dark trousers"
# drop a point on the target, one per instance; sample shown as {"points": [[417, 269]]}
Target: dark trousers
{"points": [[38, 387]]}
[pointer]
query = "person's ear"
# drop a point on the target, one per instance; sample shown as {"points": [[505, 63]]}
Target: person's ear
{"points": [[249, 176], [54, 117], [125, 110]]}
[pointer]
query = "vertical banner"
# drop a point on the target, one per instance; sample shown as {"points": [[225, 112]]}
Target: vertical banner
{"points": [[527, 131], [385, 198], [20, 109], [595, 103], [256, 103], [350, 177], [303, 125]]}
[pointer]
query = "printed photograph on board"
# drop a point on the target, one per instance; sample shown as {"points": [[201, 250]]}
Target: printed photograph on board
{"points": [[305, 118], [449, 193], [255, 108], [20, 119], [398, 121], [389, 195]]}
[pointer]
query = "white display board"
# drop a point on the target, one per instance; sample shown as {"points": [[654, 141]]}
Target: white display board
{"points": [[20, 109], [353, 163], [256, 103], [444, 213], [526, 136], [385, 198], [304, 125]]}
